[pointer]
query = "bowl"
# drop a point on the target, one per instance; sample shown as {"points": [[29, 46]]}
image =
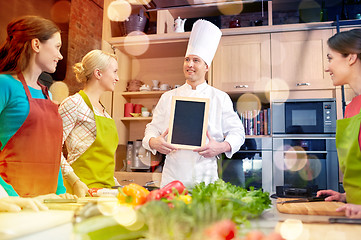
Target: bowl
{"points": [[136, 114]]}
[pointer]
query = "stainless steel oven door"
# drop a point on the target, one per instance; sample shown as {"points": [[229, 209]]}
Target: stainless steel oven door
{"points": [[303, 163], [251, 166]]}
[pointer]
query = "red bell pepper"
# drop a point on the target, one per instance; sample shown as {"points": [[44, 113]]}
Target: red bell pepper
{"points": [[177, 185], [222, 230], [167, 191]]}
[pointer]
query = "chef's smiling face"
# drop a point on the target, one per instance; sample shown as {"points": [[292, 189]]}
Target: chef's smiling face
{"points": [[49, 53], [194, 69], [338, 67]]}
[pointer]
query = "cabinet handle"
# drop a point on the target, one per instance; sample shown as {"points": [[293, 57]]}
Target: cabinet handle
{"points": [[303, 84], [241, 86]]}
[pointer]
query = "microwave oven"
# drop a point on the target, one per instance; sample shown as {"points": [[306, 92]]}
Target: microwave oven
{"points": [[304, 116]]}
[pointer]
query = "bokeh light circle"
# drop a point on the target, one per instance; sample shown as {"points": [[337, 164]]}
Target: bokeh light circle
{"points": [[248, 102], [307, 10], [126, 216], [230, 8], [60, 11], [139, 2], [295, 158], [280, 89], [59, 91], [291, 229], [138, 45], [108, 206], [119, 10], [312, 168]]}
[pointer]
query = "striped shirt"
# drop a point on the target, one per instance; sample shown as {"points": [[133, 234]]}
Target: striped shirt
{"points": [[79, 129]]}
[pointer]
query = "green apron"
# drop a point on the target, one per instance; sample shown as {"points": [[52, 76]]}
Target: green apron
{"points": [[95, 167], [349, 156]]}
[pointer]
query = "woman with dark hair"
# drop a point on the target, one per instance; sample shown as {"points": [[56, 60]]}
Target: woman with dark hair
{"points": [[344, 66], [30, 125]]}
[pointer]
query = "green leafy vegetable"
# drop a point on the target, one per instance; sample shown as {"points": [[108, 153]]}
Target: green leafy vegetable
{"points": [[210, 203], [244, 204]]}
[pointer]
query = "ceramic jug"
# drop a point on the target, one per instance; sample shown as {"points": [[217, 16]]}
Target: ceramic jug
{"points": [[179, 25]]}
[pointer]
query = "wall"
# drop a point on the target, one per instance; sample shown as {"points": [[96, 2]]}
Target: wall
{"points": [[85, 34]]}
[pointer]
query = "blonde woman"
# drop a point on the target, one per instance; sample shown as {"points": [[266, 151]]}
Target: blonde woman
{"points": [[89, 132]]}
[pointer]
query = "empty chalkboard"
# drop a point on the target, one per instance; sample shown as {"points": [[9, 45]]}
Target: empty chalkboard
{"points": [[188, 122]]}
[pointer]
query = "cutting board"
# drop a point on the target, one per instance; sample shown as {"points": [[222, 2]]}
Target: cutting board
{"points": [[13, 225], [310, 208]]}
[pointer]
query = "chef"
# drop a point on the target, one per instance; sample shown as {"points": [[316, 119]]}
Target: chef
{"points": [[225, 133]]}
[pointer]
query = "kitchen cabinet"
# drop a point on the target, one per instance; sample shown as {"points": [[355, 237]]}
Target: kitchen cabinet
{"points": [[242, 63], [299, 59]]}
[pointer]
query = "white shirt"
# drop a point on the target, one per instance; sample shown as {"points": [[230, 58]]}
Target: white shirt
{"points": [[223, 125]]}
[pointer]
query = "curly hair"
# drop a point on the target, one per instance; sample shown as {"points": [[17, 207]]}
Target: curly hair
{"points": [[95, 59]]}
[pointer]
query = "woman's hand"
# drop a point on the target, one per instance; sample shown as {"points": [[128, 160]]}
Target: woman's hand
{"points": [[80, 189], [15, 204], [68, 196], [351, 210], [332, 195]]}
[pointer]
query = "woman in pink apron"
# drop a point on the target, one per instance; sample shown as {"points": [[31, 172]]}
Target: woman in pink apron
{"points": [[90, 133], [30, 126], [344, 66]]}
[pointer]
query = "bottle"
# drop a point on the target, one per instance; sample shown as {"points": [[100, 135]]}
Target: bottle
{"points": [[344, 15], [129, 156], [323, 12]]}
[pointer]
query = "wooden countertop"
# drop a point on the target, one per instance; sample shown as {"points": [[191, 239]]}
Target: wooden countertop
{"points": [[306, 227], [36, 225]]}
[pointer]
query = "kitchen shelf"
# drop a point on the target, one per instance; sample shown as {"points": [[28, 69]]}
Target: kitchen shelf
{"points": [[142, 94], [258, 136], [136, 118]]}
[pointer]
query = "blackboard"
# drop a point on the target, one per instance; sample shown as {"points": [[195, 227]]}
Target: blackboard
{"points": [[188, 122]]}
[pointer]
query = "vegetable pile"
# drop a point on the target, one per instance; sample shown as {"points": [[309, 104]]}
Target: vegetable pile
{"points": [[213, 211]]}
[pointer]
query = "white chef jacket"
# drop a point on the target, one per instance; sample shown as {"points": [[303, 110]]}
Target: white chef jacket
{"points": [[223, 125]]}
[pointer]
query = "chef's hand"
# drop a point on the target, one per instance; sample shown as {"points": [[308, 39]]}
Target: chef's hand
{"points": [[80, 189], [213, 148], [15, 204], [351, 210], [332, 195], [161, 145]]}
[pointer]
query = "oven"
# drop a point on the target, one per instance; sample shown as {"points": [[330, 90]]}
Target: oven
{"points": [[250, 166], [304, 116], [305, 162]]}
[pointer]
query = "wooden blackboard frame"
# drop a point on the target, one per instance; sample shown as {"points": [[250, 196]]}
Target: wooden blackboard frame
{"points": [[189, 118]]}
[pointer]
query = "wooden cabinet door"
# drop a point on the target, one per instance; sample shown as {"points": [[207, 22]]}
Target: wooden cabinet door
{"points": [[242, 63], [299, 59]]}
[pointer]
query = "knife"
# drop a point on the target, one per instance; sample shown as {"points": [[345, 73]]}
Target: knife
{"points": [[60, 200], [302, 200]]}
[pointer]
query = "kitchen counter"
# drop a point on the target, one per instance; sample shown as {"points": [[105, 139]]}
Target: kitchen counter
{"points": [[304, 227], [57, 224], [30, 225]]}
